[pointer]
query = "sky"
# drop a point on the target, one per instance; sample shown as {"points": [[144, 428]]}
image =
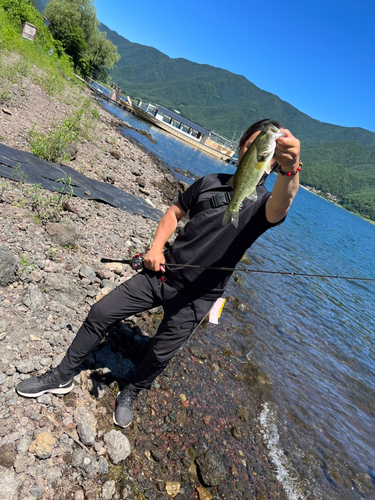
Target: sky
{"points": [[317, 55]]}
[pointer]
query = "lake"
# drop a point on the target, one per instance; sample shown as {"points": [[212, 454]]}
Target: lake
{"points": [[312, 338]]}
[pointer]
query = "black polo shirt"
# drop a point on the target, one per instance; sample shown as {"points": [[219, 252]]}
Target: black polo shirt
{"points": [[206, 242]]}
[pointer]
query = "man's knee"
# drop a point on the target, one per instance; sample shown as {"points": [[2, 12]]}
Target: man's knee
{"points": [[97, 314]]}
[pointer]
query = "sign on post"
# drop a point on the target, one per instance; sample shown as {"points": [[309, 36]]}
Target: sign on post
{"points": [[29, 31]]}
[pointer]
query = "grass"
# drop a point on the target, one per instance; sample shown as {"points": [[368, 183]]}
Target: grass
{"points": [[51, 145], [53, 71], [25, 266]]}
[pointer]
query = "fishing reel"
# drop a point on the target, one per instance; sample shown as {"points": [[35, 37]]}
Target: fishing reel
{"points": [[136, 262]]}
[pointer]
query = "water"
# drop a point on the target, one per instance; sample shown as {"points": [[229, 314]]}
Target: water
{"points": [[312, 338]]}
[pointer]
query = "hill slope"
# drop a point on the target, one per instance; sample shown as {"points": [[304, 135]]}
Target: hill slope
{"points": [[214, 97]]}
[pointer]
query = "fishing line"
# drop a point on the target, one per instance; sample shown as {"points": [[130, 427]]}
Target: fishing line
{"points": [[136, 263]]}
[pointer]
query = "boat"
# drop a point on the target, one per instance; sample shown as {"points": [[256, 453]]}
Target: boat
{"points": [[186, 130]]}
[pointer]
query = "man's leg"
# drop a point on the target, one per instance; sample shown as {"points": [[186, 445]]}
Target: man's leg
{"points": [[135, 295], [180, 320]]}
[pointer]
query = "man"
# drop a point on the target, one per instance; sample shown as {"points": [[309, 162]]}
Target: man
{"points": [[186, 294]]}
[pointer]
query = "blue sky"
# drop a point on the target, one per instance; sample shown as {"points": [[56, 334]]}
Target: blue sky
{"points": [[317, 55]]}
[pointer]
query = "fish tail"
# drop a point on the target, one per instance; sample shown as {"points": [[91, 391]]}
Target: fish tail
{"points": [[231, 216]]}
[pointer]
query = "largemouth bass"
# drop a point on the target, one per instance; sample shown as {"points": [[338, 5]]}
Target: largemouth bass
{"points": [[252, 166]]}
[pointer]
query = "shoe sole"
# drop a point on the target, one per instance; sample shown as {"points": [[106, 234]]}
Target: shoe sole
{"points": [[59, 390], [120, 425]]}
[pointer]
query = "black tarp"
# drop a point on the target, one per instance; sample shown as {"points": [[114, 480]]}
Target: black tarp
{"points": [[21, 166]]}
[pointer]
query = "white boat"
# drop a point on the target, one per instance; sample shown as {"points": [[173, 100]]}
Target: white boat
{"points": [[184, 129]]}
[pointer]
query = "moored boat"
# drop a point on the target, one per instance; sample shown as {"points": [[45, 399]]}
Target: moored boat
{"points": [[184, 129]]}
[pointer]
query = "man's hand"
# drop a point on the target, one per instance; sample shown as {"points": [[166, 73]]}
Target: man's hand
{"points": [[287, 152], [286, 186], [153, 260]]}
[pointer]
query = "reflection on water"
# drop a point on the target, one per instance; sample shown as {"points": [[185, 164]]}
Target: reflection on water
{"points": [[312, 338]]}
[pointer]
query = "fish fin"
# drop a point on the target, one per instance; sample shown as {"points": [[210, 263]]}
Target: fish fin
{"points": [[268, 168], [235, 218], [230, 181], [227, 217], [252, 196], [231, 216]]}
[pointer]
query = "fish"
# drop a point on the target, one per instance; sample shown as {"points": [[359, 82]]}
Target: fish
{"points": [[254, 163]]}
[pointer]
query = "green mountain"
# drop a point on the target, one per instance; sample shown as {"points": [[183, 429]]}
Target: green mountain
{"points": [[214, 97]]}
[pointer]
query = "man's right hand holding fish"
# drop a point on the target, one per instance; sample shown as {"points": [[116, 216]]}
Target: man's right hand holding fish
{"points": [[287, 156]]}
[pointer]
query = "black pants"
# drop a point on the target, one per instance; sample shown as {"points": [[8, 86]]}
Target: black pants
{"points": [[142, 292]]}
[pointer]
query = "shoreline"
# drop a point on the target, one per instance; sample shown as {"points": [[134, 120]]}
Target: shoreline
{"points": [[313, 191], [55, 276]]}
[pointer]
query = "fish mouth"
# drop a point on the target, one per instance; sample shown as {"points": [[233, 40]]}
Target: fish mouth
{"points": [[277, 131]]}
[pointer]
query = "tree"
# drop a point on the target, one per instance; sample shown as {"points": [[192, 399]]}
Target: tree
{"points": [[103, 55], [74, 24]]}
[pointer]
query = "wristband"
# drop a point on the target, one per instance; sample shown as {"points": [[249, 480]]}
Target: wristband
{"points": [[289, 174]]}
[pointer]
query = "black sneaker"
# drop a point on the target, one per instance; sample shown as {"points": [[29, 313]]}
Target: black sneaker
{"points": [[48, 382], [123, 415]]}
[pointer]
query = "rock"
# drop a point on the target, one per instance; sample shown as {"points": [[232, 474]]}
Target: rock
{"points": [[53, 476], [236, 432], [103, 466], [118, 446], [8, 267], [66, 443], [36, 491], [3, 325], [79, 495], [108, 490], [172, 488], [86, 464], [105, 273], [157, 455], [87, 272], [34, 298], [71, 152], [102, 293], [26, 366], [211, 468], [45, 399], [7, 455], [8, 484], [115, 267], [204, 494], [198, 352], [116, 154], [62, 290], [85, 434], [86, 417], [108, 284], [63, 235], [128, 492], [42, 445]]}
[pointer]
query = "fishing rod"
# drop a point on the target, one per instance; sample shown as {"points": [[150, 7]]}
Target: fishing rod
{"points": [[136, 263]]}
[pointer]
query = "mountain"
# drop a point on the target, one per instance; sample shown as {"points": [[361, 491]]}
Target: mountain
{"points": [[213, 97]]}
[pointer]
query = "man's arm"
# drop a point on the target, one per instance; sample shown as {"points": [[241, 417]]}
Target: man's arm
{"points": [[287, 155], [166, 227]]}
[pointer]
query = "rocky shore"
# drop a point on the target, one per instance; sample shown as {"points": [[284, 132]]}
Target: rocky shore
{"points": [[195, 434]]}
